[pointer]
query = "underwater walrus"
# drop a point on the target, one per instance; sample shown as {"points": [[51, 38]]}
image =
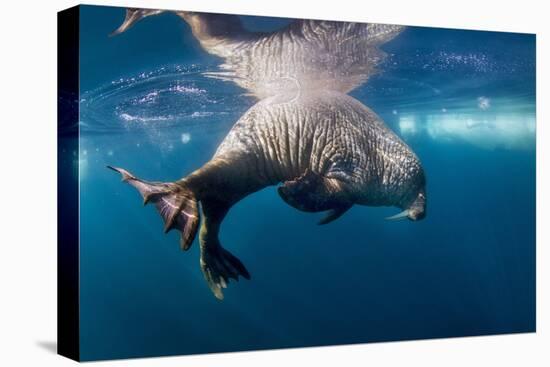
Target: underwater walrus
{"points": [[306, 54], [327, 149]]}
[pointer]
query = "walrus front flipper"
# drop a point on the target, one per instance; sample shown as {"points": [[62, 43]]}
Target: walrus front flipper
{"points": [[175, 203], [312, 192], [335, 213]]}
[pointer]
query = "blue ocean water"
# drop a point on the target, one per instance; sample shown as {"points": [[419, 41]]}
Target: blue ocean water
{"points": [[464, 101]]}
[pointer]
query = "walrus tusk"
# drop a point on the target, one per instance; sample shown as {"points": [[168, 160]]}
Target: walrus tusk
{"points": [[403, 215]]}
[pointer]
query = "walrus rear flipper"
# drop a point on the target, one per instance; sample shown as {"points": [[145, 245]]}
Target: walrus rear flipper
{"points": [[218, 266], [176, 204]]}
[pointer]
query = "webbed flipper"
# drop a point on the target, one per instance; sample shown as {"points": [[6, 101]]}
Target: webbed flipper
{"points": [[312, 192], [217, 264], [335, 213], [175, 203]]}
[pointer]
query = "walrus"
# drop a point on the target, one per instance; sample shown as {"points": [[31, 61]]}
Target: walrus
{"points": [[306, 54], [328, 150]]}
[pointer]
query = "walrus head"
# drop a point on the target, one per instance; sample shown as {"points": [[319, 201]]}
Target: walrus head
{"points": [[414, 211]]}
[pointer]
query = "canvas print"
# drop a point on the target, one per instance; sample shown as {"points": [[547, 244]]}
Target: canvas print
{"points": [[246, 183]]}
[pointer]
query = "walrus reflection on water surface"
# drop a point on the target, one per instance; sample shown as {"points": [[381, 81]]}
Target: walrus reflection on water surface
{"points": [[326, 149], [306, 54]]}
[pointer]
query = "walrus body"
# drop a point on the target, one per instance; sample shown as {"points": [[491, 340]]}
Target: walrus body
{"points": [[327, 149]]}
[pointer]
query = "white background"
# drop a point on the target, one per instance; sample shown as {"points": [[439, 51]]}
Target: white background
{"points": [[28, 183]]}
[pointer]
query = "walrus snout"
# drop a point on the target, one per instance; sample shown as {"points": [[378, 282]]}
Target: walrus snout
{"points": [[416, 211]]}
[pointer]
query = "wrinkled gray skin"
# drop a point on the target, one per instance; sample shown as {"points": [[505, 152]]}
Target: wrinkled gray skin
{"points": [[306, 54], [328, 134], [329, 151]]}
